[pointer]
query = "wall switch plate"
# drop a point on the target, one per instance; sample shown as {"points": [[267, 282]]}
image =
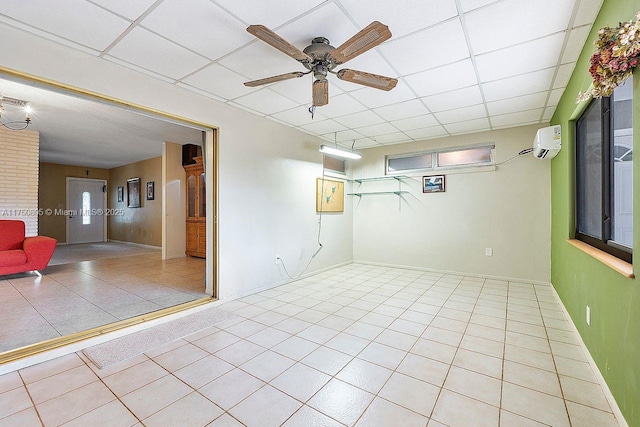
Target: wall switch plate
{"points": [[588, 315], [488, 251]]}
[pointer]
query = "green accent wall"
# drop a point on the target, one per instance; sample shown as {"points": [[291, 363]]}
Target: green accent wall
{"points": [[613, 339]]}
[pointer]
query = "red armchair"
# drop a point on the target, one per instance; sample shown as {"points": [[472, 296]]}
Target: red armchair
{"points": [[19, 254]]}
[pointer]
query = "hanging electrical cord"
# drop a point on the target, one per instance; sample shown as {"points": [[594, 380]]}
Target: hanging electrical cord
{"points": [[521, 153]]}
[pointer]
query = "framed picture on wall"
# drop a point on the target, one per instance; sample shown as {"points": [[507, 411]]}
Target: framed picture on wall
{"points": [[120, 193], [150, 190], [329, 195], [133, 193], [433, 184]]}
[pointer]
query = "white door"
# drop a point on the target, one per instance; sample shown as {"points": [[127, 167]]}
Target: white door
{"points": [[86, 203]]}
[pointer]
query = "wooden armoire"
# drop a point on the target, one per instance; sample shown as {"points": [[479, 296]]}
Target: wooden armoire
{"points": [[196, 210]]}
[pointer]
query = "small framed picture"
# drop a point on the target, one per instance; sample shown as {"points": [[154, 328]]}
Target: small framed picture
{"points": [[133, 192], [433, 184], [150, 190], [120, 193]]}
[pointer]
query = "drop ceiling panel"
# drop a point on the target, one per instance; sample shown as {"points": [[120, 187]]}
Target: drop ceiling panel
{"points": [[323, 127], [423, 13], [402, 110], [519, 103], [266, 101], [373, 98], [454, 99], [376, 130], [202, 27], [468, 126], [363, 118], [524, 58], [417, 122], [548, 113], [218, 80], [365, 143], [587, 12], [127, 8], [468, 5], [344, 136], [511, 22], [298, 116], [443, 79], [519, 85], [393, 138], [519, 118], [563, 75], [577, 39], [427, 133], [473, 112], [300, 90], [340, 105], [439, 45], [147, 50], [78, 21], [554, 97], [259, 60], [271, 15]]}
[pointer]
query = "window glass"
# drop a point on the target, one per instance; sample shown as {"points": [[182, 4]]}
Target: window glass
{"points": [[334, 165], [408, 163], [622, 204], [86, 208], [472, 156]]}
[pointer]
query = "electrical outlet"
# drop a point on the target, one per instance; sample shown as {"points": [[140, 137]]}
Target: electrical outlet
{"points": [[488, 252], [588, 315], [277, 259]]}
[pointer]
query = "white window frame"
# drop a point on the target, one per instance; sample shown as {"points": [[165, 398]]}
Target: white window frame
{"points": [[434, 159]]}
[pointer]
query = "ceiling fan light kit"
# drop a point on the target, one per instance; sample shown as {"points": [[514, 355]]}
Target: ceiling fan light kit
{"points": [[320, 58]]}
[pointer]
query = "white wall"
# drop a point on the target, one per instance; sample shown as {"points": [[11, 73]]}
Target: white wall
{"points": [[266, 171], [174, 199], [507, 210]]}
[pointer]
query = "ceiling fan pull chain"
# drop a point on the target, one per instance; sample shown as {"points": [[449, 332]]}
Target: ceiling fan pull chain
{"points": [[312, 110]]}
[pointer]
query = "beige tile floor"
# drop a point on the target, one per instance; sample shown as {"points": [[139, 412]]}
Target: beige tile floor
{"points": [[83, 295], [358, 345]]}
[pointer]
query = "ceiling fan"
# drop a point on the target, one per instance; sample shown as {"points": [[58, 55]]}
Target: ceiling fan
{"points": [[321, 58]]}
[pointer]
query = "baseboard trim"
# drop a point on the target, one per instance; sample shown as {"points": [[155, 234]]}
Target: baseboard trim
{"points": [[594, 367], [136, 244], [457, 273]]}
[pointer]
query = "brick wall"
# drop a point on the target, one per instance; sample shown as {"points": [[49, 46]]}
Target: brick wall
{"points": [[19, 153]]}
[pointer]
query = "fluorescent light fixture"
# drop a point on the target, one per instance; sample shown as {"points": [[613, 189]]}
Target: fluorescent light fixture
{"points": [[333, 151]]}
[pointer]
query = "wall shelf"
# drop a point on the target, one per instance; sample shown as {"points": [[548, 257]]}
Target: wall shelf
{"points": [[399, 192], [376, 192], [379, 178]]}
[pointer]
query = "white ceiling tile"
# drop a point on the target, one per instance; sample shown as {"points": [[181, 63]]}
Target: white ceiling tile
{"points": [[242, 107], [439, 45], [374, 98], [393, 138], [523, 84], [519, 103], [327, 21], [139, 69], [375, 130], [524, 58], [532, 122], [202, 27], [517, 118], [363, 118], [468, 5], [427, 133], [127, 8], [345, 135], [365, 143], [417, 122], [478, 125], [423, 13], [340, 105], [299, 90], [511, 22], [371, 62], [462, 114], [443, 79], [147, 50], [272, 14], [298, 116], [587, 12], [554, 98], [454, 99], [402, 110], [324, 127], [266, 101], [577, 40], [548, 113], [563, 76], [74, 20], [199, 91], [220, 81]]}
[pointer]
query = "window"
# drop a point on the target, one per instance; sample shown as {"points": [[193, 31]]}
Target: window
{"points": [[441, 159], [604, 173], [86, 208]]}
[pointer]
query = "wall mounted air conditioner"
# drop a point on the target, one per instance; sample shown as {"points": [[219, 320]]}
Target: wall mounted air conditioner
{"points": [[548, 142]]}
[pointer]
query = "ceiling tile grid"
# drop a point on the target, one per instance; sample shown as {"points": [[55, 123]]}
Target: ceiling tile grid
{"points": [[462, 65]]}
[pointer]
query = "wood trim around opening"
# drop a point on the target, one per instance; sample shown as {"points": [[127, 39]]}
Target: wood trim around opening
{"points": [[622, 267]]}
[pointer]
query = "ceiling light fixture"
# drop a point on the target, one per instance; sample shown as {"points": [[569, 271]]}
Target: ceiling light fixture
{"points": [[15, 124], [335, 151]]}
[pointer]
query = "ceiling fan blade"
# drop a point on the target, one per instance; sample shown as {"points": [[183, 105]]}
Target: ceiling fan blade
{"points": [[320, 93], [371, 36], [269, 37], [274, 79], [367, 79]]}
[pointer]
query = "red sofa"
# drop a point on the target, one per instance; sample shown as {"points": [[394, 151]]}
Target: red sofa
{"points": [[19, 254]]}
